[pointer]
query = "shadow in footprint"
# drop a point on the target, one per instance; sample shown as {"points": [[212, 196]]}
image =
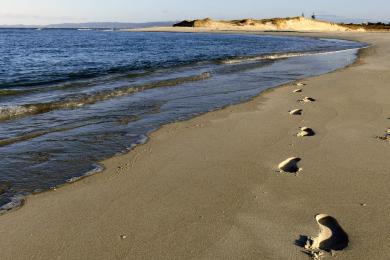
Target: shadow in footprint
{"points": [[307, 100], [296, 112], [290, 165], [301, 242], [332, 237], [339, 238], [306, 131]]}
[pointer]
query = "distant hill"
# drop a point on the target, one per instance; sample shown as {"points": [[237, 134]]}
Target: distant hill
{"points": [[95, 25]]}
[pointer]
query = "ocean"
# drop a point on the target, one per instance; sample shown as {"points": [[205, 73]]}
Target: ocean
{"points": [[71, 98]]}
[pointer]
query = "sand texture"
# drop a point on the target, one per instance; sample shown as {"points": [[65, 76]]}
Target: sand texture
{"points": [[210, 187]]}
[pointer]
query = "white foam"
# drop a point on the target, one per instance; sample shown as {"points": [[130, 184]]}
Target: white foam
{"points": [[12, 111], [98, 168], [16, 202], [277, 56]]}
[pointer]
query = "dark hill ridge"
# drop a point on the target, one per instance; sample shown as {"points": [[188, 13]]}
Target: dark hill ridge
{"points": [[95, 25]]}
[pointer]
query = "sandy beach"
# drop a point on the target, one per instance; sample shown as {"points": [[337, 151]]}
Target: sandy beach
{"points": [[210, 187]]}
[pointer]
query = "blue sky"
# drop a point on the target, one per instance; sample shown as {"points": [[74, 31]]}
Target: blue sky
{"points": [[58, 11]]}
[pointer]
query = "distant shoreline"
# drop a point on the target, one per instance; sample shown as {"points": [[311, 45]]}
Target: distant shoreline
{"points": [[92, 25]]}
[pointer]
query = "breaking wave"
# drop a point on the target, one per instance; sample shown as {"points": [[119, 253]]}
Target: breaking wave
{"points": [[10, 112], [276, 56]]}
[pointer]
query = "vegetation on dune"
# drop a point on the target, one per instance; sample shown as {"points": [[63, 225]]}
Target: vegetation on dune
{"points": [[369, 26]]}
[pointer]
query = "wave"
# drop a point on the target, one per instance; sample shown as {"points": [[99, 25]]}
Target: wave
{"points": [[71, 77], [97, 169], [10, 112], [278, 56], [74, 77], [15, 202], [31, 135], [7, 112], [11, 92], [79, 78], [261, 58], [18, 200], [36, 134]]}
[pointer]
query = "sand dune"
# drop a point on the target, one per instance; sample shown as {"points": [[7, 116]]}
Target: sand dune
{"points": [[275, 24]]}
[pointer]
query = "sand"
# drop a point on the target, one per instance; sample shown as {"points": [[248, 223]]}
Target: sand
{"points": [[209, 188]]}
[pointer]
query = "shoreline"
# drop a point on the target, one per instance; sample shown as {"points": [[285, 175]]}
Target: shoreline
{"points": [[117, 166], [17, 201]]}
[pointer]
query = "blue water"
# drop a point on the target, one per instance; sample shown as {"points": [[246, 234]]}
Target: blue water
{"points": [[70, 98]]}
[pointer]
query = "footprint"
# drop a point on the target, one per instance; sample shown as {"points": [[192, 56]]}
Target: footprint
{"points": [[299, 90], [296, 112], [307, 100], [306, 131], [331, 238], [290, 165]]}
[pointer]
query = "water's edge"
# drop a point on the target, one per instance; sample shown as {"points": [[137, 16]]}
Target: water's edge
{"points": [[19, 200]]}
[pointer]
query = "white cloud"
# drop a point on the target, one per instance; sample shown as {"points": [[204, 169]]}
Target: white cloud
{"points": [[9, 18]]}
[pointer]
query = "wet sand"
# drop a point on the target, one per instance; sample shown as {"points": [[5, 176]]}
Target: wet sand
{"points": [[215, 187]]}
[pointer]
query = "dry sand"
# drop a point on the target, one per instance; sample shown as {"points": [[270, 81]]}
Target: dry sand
{"points": [[209, 188]]}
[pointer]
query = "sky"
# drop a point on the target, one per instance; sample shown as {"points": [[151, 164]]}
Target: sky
{"points": [[40, 12]]}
